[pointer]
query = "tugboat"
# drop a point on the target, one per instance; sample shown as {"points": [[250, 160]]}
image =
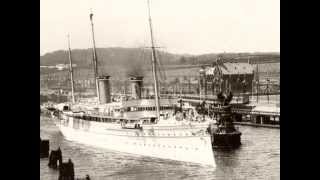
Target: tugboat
{"points": [[226, 135]]}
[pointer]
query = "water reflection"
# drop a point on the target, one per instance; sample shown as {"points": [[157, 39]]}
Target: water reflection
{"points": [[257, 158]]}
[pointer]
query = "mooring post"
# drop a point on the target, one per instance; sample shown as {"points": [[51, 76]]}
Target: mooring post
{"points": [[66, 171], [87, 177], [44, 148], [55, 156]]}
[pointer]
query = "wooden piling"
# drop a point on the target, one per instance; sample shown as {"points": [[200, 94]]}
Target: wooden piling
{"points": [[66, 171], [55, 156], [44, 148]]}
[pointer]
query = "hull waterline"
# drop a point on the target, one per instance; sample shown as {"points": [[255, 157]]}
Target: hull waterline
{"points": [[182, 145]]}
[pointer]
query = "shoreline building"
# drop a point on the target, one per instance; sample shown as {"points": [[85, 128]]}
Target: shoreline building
{"points": [[237, 77]]}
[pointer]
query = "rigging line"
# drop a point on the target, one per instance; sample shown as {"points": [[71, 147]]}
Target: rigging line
{"points": [[66, 75], [164, 70], [87, 71], [160, 67], [143, 54]]}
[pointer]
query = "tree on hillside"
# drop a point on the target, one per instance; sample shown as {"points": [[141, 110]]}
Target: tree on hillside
{"points": [[182, 60]]}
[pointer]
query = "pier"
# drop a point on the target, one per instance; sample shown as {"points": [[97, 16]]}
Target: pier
{"points": [[257, 125], [246, 110]]}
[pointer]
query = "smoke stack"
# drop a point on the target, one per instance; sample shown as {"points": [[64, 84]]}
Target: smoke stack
{"points": [[145, 92], [104, 89], [136, 86], [148, 91]]}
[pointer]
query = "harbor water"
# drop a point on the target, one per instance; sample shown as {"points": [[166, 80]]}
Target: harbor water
{"points": [[257, 158]]}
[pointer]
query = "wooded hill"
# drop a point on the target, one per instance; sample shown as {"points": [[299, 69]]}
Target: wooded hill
{"points": [[134, 61], [123, 56]]}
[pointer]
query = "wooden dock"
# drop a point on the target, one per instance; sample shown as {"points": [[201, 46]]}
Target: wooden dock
{"points": [[276, 126]]}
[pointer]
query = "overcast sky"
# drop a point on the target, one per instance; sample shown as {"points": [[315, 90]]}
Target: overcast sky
{"points": [[180, 26]]}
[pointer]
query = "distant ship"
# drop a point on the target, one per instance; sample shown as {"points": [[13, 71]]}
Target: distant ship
{"points": [[149, 127]]}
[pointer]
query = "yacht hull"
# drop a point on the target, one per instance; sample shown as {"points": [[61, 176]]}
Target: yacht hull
{"points": [[184, 144]]}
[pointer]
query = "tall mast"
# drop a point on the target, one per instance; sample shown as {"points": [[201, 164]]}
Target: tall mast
{"points": [[257, 82], [154, 62], [71, 71], [95, 59]]}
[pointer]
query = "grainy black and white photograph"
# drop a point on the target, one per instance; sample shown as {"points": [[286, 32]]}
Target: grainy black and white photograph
{"points": [[159, 89]]}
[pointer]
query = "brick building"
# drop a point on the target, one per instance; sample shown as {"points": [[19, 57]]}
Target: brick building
{"points": [[236, 77]]}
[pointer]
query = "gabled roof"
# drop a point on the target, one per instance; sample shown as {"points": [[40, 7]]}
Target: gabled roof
{"points": [[231, 68]]}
